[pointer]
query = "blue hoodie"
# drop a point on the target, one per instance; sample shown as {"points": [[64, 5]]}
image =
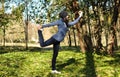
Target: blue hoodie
{"points": [[62, 28]]}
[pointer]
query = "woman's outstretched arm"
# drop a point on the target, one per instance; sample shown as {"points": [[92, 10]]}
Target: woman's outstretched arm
{"points": [[76, 20], [50, 24]]}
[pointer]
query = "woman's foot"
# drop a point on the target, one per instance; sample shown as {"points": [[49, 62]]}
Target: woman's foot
{"points": [[55, 72], [39, 27]]}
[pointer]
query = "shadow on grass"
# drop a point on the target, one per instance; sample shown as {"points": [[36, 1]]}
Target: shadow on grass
{"points": [[115, 63], [89, 69], [67, 63], [8, 49], [116, 60]]}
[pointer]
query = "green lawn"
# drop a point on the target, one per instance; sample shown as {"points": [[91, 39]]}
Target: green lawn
{"points": [[36, 62]]}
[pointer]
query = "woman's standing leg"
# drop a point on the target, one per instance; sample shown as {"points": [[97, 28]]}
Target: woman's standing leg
{"points": [[55, 54], [56, 46]]}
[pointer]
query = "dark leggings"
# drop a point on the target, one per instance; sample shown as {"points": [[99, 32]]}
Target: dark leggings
{"points": [[56, 45]]}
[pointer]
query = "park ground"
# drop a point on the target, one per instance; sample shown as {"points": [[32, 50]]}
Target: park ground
{"points": [[15, 61]]}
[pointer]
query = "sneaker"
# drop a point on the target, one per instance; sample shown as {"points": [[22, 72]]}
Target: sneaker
{"points": [[55, 72]]}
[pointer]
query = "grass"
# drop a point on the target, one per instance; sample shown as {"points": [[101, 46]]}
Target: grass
{"points": [[36, 62]]}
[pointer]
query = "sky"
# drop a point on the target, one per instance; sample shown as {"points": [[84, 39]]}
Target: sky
{"points": [[35, 8], [15, 3]]}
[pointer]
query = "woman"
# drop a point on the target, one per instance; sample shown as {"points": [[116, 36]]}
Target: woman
{"points": [[63, 26]]}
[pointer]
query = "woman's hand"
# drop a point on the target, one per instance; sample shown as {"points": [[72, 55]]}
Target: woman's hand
{"points": [[80, 13]]}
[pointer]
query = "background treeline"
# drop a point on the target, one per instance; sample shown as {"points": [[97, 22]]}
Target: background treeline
{"points": [[98, 30]]}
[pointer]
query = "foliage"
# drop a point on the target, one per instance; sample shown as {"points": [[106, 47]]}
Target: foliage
{"points": [[98, 16], [36, 62], [17, 12], [4, 18], [44, 10]]}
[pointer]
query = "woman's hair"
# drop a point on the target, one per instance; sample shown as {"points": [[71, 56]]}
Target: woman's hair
{"points": [[63, 14]]}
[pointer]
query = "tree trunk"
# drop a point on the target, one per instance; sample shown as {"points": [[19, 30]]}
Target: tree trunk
{"points": [[4, 36], [98, 38], [26, 28], [69, 37], [97, 28], [114, 21], [81, 40], [3, 24], [74, 37], [26, 34], [75, 9], [87, 37]]}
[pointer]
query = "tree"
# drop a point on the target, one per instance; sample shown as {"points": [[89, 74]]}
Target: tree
{"points": [[114, 21], [113, 27], [84, 39], [100, 18], [4, 19]]}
